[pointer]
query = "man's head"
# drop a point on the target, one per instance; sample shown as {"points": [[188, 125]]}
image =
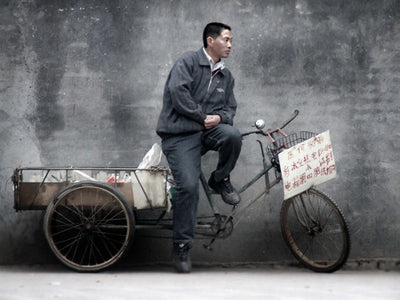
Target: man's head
{"points": [[217, 40]]}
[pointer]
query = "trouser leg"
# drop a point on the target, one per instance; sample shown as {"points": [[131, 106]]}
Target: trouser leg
{"points": [[227, 140], [184, 158]]}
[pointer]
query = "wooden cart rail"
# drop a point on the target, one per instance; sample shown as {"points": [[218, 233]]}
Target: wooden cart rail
{"points": [[36, 187]]}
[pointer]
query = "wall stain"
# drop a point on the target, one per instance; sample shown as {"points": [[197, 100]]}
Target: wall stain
{"points": [[49, 42]]}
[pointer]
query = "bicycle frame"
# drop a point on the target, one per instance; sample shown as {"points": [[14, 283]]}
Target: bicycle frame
{"points": [[222, 221], [267, 166]]}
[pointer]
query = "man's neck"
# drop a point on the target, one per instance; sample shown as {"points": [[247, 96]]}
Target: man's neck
{"points": [[215, 59], [214, 66]]}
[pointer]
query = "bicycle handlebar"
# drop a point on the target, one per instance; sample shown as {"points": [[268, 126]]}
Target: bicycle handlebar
{"points": [[278, 129], [269, 131]]}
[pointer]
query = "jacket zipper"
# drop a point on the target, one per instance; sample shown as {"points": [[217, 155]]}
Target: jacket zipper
{"points": [[211, 79]]}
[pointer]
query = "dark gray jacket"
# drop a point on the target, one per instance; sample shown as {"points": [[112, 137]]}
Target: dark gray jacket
{"points": [[189, 96]]}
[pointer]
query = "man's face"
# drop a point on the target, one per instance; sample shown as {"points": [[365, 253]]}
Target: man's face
{"points": [[221, 46]]}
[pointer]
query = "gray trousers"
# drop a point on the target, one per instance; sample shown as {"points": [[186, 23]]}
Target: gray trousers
{"points": [[183, 153]]}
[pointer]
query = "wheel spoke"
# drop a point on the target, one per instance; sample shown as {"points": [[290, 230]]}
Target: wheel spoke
{"points": [[71, 241], [65, 217], [115, 246], [109, 218]]}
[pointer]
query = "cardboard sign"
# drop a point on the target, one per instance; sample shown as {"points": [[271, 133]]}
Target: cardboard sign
{"points": [[307, 164]]}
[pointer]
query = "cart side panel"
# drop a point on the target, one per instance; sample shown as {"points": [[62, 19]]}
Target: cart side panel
{"points": [[36, 196], [126, 190]]}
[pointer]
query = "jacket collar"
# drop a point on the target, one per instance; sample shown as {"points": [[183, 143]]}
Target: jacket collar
{"points": [[204, 61], [203, 58]]}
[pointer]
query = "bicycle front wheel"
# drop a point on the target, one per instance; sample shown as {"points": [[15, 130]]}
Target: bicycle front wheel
{"points": [[315, 231]]}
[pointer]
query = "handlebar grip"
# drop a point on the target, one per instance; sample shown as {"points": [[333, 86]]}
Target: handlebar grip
{"points": [[295, 114]]}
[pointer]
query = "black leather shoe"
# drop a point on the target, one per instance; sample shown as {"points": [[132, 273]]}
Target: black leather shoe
{"points": [[225, 188], [182, 262]]}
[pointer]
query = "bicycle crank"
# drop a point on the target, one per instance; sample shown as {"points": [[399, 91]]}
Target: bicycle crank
{"points": [[221, 227]]}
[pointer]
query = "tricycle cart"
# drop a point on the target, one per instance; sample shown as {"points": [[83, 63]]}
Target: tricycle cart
{"points": [[91, 213]]}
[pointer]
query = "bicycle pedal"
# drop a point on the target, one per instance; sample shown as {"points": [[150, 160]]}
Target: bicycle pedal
{"points": [[208, 247]]}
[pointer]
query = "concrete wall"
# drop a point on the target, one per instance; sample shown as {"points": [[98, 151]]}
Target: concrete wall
{"points": [[81, 84]]}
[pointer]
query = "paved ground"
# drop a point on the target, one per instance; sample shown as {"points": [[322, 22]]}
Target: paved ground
{"points": [[57, 282]]}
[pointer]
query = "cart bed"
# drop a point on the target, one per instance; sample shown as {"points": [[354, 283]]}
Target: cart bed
{"points": [[35, 188]]}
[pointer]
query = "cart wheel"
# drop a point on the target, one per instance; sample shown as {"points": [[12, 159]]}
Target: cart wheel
{"points": [[89, 226]]}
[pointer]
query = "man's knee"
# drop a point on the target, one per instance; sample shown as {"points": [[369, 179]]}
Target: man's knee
{"points": [[189, 188], [233, 136], [188, 184]]}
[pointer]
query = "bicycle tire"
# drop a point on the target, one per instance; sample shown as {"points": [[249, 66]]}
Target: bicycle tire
{"points": [[315, 230], [89, 226]]}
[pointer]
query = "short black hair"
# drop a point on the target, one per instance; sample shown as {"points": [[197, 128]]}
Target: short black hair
{"points": [[213, 29]]}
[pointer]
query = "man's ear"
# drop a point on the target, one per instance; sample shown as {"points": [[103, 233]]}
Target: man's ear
{"points": [[210, 41]]}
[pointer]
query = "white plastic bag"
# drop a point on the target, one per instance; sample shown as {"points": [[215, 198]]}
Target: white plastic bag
{"points": [[153, 183], [152, 157]]}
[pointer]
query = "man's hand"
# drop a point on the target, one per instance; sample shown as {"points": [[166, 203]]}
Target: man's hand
{"points": [[212, 121]]}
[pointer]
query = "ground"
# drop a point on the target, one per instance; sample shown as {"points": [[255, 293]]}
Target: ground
{"points": [[160, 282]]}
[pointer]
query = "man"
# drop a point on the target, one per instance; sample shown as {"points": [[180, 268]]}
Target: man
{"points": [[197, 116]]}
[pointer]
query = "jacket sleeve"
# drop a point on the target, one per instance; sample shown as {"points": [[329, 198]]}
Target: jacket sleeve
{"points": [[228, 112], [179, 88]]}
